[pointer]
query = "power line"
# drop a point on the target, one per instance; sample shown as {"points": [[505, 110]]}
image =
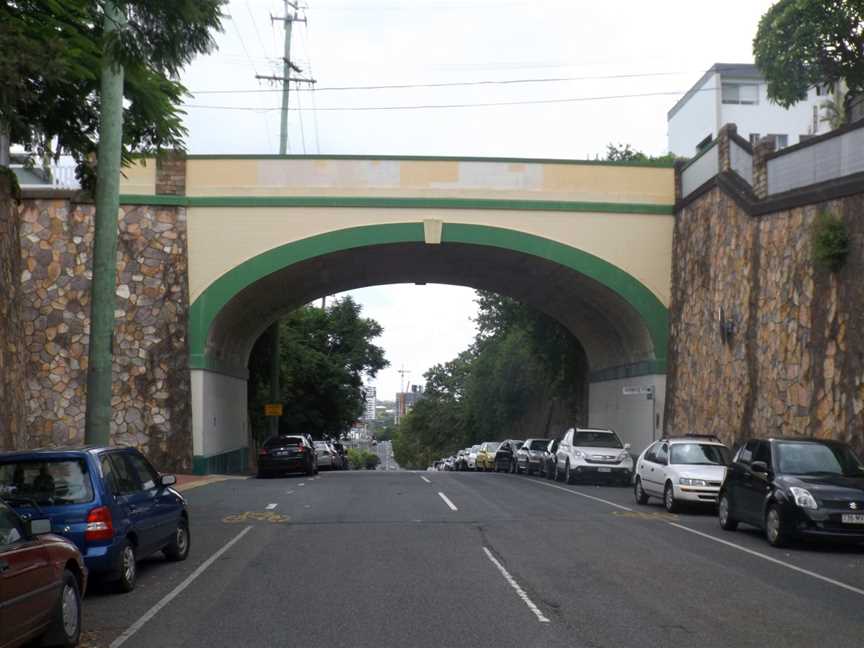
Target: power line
{"points": [[527, 102], [243, 44], [457, 84]]}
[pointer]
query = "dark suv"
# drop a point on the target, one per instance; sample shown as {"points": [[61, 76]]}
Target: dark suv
{"points": [[109, 501], [287, 453], [795, 488]]}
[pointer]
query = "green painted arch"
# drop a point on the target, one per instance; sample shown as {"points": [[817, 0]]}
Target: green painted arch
{"points": [[207, 306]]}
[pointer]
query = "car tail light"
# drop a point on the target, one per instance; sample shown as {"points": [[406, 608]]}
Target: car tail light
{"points": [[301, 449], [263, 452], [100, 526]]}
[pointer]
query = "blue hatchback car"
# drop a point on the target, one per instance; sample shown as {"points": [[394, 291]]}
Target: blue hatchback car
{"points": [[108, 501]]}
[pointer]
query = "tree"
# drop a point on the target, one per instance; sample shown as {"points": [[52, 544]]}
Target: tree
{"points": [[49, 72], [325, 354], [626, 153], [804, 43]]}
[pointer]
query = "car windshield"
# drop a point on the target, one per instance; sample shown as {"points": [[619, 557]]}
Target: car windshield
{"points": [[817, 458], [281, 442], [492, 447], [475, 449], [539, 444], [700, 454], [593, 439], [46, 481]]}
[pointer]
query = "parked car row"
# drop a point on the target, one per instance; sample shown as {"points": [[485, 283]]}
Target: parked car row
{"points": [[69, 515], [787, 487], [299, 453]]}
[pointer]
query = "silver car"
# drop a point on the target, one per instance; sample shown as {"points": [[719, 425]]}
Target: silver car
{"points": [[327, 455], [593, 453]]}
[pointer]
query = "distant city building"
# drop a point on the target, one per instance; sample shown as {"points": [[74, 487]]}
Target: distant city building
{"points": [[405, 401], [738, 94], [371, 403]]}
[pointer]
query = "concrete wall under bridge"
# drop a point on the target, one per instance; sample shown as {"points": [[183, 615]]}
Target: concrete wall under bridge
{"points": [[587, 243]]}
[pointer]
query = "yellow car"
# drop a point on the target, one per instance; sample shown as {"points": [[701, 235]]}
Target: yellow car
{"points": [[486, 456]]}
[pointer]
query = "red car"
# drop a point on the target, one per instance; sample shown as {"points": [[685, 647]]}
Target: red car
{"points": [[42, 580]]}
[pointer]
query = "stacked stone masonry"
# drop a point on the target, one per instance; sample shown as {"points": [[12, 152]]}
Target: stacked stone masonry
{"points": [[12, 364], [151, 394], [794, 364]]}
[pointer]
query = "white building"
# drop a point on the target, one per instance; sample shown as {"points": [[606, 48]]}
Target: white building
{"points": [[371, 403], [738, 94]]}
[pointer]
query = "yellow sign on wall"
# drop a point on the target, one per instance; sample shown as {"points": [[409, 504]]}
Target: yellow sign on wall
{"points": [[273, 409]]}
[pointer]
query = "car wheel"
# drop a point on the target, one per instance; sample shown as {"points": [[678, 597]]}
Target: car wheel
{"points": [[262, 474], [310, 470], [774, 529], [128, 567], [639, 492], [724, 515], [550, 473], [568, 475], [65, 628], [178, 550], [669, 498]]}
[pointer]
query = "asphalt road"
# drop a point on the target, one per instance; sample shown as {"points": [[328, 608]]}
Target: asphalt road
{"points": [[382, 559]]}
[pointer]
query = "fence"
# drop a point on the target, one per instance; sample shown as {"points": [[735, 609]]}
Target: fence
{"points": [[700, 170]]}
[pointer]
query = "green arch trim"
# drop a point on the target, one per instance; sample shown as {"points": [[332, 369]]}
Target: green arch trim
{"points": [[207, 306]]}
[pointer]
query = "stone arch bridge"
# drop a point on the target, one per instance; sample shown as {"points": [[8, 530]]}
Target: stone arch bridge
{"points": [[213, 249]]}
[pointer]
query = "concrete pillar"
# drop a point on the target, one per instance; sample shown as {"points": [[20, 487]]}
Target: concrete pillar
{"points": [[761, 151], [220, 434], [633, 407]]}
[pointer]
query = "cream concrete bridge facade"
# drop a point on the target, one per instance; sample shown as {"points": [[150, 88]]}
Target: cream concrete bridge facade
{"points": [[589, 243]]}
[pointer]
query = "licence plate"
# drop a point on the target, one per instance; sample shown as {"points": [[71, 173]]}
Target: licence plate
{"points": [[853, 518], [604, 470]]}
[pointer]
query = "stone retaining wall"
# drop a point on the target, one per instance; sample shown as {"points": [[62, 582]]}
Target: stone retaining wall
{"points": [[794, 363], [12, 365], [151, 380]]}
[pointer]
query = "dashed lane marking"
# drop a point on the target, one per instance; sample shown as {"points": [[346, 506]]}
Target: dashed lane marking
{"points": [[782, 563], [271, 506], [153, 611], [519, 591], [256, 516], [424, 478], [585, 495], [447, 501]]}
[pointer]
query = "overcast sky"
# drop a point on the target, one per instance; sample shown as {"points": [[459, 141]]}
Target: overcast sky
{"points": [[654, 50]]}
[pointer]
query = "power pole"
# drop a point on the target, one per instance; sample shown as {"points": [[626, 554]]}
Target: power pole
{"points": [[103, 289], [287, 67]]}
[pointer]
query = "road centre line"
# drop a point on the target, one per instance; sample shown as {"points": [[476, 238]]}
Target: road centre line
{"points": [[776, 561], [153, 611], [424, 478], [519, 591], [591, 497], [447, 501], [270, 507]]}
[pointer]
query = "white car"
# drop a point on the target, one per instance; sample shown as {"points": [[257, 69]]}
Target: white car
{"points": [[593, 453], [472, 456], [681, 469], [326, 455]]}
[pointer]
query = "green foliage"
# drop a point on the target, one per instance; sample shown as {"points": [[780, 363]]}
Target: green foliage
{"points": [[360, 459], [803, 43], [49, 72], [324, 357], [830, 242], [626, 153], [12, 179], [520, 358]]}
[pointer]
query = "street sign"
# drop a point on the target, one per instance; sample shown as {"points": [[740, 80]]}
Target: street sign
{"points": [[273, 409], [638, 391]]}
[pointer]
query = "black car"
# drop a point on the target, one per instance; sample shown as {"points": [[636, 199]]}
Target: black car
{"points": [[505, 456], [795, 488], [281, 454]]}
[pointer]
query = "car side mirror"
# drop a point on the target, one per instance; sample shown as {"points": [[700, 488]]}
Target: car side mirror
{"points": [[759, 467], [167, 480], [37, 527], [627, 446]]}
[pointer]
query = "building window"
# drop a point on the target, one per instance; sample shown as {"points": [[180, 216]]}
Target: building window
{"points": [[740, 93], [780, 141], [754, 139]]}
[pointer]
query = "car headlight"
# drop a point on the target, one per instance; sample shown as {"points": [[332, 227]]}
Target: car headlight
{"points": [[578, 454], [803, 498], [623, 456], [684, 481]]}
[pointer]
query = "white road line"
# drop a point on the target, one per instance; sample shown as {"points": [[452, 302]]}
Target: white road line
{"points": [[270, 507], [447, 501], [519, 591], [591, 497], [800, 570], [423, 477], [289, 492], [153, 611], [301, 484]]}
